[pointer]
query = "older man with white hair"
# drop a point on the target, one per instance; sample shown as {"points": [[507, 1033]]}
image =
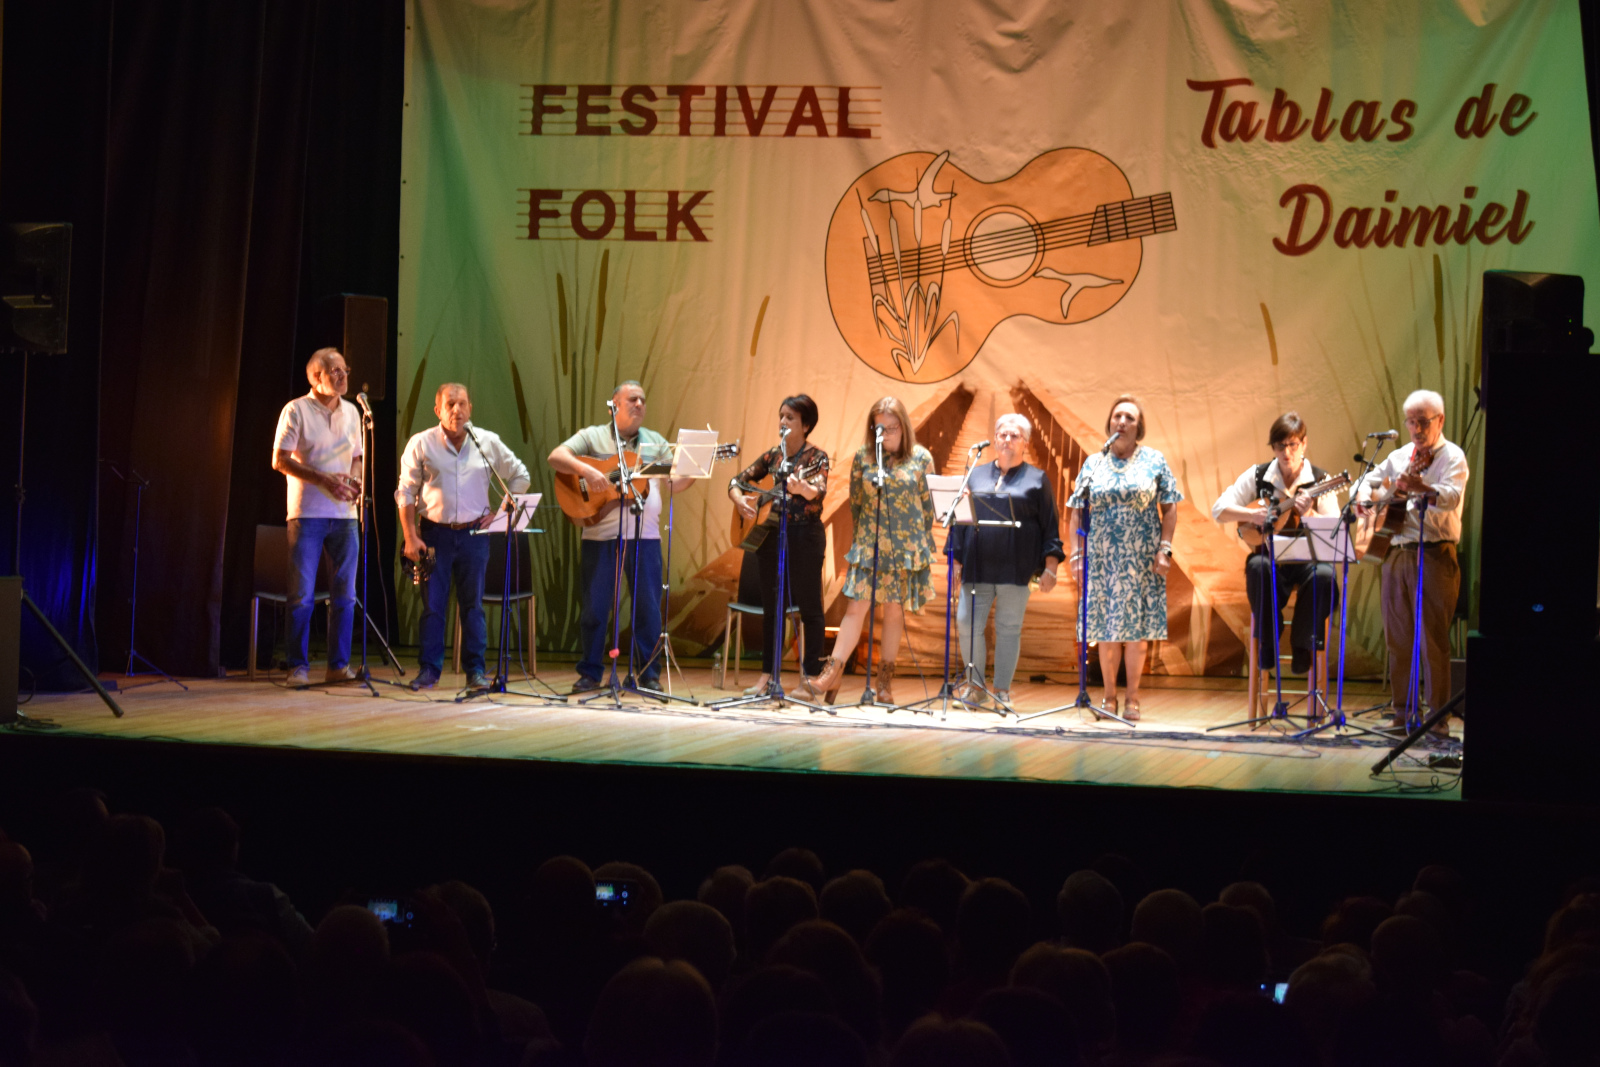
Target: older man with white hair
{"points": [[1432, 473], [318, 449]]}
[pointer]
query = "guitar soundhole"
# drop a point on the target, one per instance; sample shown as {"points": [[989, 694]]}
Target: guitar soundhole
{"points": [[1004, 246]]}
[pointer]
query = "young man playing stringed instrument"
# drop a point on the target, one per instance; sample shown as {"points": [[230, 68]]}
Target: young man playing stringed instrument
{"points": [[1295, 488], [1430, 468], [600, 534]]}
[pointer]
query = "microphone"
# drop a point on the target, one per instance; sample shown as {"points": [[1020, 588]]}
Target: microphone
{"points": [[361, 398], [1387, 435], [783, 432], [612, 405], [980, 446], [1109, 442], [877, 433]]}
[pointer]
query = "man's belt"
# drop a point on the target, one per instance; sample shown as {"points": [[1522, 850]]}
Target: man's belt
{"points": [[470, 524]]}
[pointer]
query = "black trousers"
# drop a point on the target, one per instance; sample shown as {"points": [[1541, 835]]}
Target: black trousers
{"points": [[1313, 583], [808, 546]]}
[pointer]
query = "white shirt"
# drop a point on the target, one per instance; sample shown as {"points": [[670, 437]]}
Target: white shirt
{"points": [[324, 440], [1242, 493], [1446, 476], [596, 442], [449, 485]]}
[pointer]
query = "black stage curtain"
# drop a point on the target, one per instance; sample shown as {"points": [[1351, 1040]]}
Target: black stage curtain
{"points": [[52, 150], [224, 166]]}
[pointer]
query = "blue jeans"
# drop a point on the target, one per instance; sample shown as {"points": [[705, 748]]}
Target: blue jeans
{"points": [[307, 540], [464, 556], [1009, 603], [599, 563]]}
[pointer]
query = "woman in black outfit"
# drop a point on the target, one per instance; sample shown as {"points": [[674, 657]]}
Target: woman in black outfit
{"points": [[808, 541], [996, 564]]}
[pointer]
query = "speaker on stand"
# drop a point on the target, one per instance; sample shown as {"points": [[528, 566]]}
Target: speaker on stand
{"points": [[1531, 661], [35, 279]]}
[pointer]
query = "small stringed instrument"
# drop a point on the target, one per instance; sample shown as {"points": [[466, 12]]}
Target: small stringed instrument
{"points": [[586, 504], [748, 534], [1287, 518], [1389, 517], [419, 570], [924, 261]]}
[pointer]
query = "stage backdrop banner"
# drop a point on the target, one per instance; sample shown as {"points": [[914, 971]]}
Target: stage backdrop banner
{"points": [[1231, 210]]}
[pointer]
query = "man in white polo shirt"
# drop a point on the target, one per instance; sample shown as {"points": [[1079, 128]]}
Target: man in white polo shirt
{"points": [[318, 448], [444, 497], [641, 540]]}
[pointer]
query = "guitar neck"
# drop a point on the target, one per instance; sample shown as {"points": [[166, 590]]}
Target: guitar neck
{"points": [[1126, 220]]}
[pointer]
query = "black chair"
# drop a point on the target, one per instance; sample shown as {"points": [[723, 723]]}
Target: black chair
{"points": [[272, 581], [521, 591]]}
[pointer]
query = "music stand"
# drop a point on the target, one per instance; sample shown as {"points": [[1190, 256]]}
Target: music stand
{"points": [[1326, 540], [693, 455], [959, 505]]}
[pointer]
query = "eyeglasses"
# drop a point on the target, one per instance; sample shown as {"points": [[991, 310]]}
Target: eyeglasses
{"points": [[1421, 421]]}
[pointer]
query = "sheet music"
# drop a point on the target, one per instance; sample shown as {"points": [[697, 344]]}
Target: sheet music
{"points": [[944, 488], [522, 505], [1321, 540], [697, 451]]}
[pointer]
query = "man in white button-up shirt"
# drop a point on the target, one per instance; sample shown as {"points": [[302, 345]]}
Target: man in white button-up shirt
{"points": [[443, 497], [318, 448], [1430, 468]]}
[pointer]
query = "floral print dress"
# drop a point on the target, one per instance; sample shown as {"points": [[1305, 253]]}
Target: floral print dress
{"points": [[1127, 598], [905, 539]]}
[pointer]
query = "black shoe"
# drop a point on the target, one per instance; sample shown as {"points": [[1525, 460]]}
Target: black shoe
{"points": [[426, 678], [477, 680], [1301, 662], [584, 685], [650, 681]]}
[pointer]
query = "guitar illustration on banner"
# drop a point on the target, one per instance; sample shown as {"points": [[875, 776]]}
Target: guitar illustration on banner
{"points": [[924, 261]]}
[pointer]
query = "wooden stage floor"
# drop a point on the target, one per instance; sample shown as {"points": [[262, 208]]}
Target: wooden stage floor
{"points": [[1170, 747]]}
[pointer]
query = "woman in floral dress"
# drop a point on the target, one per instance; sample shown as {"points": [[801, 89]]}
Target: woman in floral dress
{"points": [[904, 543], [1132, 498]]}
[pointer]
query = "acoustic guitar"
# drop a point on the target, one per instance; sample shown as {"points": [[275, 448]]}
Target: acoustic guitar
{"points": [[924, 261], [1287, 518], [586, 504], [1376, 535], [749, 534]]}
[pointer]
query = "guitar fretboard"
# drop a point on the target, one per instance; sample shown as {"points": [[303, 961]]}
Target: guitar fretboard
{"points": [[1125, 220]]}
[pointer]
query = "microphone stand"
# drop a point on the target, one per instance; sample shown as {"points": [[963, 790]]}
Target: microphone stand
{"points": [[1083, 703], [869, 696], [516, 512], [364, 501], [949, 691], [1337, 721], [140, 484], [1264, 617], [774, 693], [616, 685]]}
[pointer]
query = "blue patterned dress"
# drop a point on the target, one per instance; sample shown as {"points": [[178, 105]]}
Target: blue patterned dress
{"points": [[905, 541], [1128, 599]]}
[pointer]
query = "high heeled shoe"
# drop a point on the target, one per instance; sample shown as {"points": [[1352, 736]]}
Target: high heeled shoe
{"points": [[1108, 706], [883, 681], [1130, 710], [760, 687]]}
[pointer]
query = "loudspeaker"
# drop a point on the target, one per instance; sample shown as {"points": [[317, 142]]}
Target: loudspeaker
{"points": [[35, 275], [10, 645], [357, 326], [1541, 489]]}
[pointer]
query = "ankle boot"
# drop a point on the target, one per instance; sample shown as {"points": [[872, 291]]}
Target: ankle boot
{"points": [[883, 680], [828, 681]]}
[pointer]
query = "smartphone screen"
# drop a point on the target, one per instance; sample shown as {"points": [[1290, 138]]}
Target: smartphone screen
{"points": [[613, 894]]}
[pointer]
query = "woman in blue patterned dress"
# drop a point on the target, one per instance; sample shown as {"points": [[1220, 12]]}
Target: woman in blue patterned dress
{"points": [[905, 543], [1132, 498]]}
